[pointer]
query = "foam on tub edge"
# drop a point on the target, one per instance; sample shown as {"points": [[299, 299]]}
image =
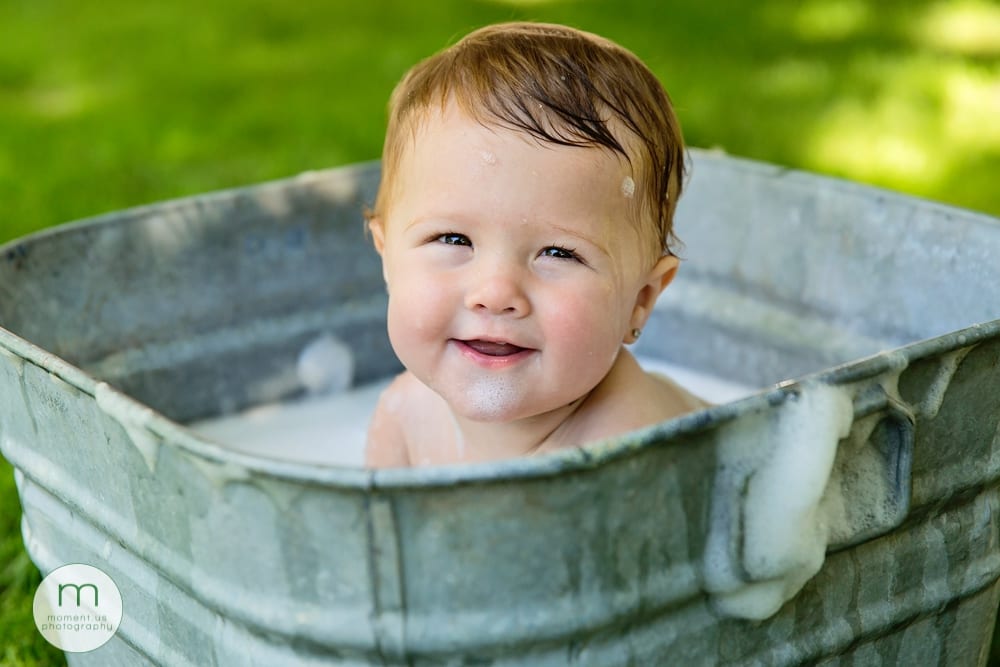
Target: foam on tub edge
{"points": [[767, 533]]}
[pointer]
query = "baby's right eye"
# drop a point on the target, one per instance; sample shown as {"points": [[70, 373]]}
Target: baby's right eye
{"points": [[454, 239]]}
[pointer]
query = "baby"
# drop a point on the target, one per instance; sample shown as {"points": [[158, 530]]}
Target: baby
{"points": [[530, 176]]}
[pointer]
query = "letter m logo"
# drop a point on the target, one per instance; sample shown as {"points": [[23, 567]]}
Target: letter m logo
{"points": [[79, 591]]}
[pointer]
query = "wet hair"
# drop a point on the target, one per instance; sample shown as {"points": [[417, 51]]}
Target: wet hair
{"points": [[561, 86]]}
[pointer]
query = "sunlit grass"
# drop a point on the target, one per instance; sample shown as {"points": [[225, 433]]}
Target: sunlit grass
{"points": [[796, 76], [916, 130], [971, 108], [822, 20], [969, 27], [60, 101], [526, 3], [20, 643], [889, 134]]}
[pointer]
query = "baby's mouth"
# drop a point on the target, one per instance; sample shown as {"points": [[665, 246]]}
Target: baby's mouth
{"points": [[493, 348]]}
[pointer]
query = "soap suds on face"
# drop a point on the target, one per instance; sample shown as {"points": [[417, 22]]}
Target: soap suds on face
{"points": [[491, 396], [628, 187], [767, 535]]}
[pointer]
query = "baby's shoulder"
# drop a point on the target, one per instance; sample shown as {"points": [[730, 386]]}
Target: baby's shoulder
{"points": [[405, 417], [629, 399], [386, 443], [675, 398], [398, 398]]}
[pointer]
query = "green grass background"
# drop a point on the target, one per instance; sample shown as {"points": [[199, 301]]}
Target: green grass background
{"points": [[114, 104]]}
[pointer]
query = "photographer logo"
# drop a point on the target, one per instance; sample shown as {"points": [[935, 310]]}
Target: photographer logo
{"points": [[77, 608]]}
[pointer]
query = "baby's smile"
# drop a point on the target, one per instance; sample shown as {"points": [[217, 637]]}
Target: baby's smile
{"points": [[493, 348], [493, 354]]}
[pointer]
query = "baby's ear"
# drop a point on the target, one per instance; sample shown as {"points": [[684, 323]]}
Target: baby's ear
{"points": [[656, 281], [376, 226], [663, 272], [377, 229]]}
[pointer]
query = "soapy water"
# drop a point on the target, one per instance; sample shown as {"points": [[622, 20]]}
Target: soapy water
{"points": [[329, 427]]}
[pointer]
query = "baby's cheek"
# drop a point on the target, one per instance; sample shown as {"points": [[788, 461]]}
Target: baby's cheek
{"points": [[587, 325], [427, 312], [599, 304], [421, 325]]}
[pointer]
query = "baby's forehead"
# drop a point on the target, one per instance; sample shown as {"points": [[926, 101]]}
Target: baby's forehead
{"points": [[450, 114], [440, 138]]}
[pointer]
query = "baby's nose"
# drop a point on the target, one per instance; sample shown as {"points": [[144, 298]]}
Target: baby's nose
{"points": [[498, 291]]}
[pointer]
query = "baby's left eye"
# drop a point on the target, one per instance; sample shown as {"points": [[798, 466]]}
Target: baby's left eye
{"points": [[558, 253]]}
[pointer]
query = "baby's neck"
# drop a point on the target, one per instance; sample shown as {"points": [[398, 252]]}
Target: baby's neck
{"points": [[451, 438], [488, 441], [571, 425]]}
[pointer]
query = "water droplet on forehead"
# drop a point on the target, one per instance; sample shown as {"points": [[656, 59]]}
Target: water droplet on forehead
{"points": [[628, 187]]}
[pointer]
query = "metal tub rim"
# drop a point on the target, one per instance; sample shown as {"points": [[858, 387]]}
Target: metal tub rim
{"points": [[172, 433]]}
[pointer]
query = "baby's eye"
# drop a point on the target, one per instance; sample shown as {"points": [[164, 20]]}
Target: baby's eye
{"points": [[454, 239], [558, 253]]}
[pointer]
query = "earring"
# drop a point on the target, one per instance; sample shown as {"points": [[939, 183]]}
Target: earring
{"points": [[636, 333]]}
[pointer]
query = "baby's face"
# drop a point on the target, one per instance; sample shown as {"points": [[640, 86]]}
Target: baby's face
{"points": [[513, 269]]}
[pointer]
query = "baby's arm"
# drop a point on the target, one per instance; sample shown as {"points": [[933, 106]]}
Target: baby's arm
{"points": [[386, 446]]}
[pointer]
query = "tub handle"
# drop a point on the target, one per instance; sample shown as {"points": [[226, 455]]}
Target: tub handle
{"points": [[821, 472], [868, 494]]}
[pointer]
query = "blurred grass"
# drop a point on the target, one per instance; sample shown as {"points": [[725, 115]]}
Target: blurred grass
{"points": [[110, 105], [20, 643]]}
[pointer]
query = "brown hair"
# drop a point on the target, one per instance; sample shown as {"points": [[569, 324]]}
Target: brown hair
{"points": [[562, 86]]}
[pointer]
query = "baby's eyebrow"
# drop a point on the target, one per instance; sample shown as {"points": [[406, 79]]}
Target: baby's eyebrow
{"points": [[427, 220], [580, 235], [413, 223]]}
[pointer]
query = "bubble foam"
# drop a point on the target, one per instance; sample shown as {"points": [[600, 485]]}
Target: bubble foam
{"points": [[490, 396], [326, 364], [768, 534]]}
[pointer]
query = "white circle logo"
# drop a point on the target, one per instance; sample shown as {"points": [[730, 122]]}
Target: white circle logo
{"points": [[77, 608]]}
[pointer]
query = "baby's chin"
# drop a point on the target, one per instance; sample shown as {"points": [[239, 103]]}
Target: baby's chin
{"points": [[497, 399], [490, 398]]}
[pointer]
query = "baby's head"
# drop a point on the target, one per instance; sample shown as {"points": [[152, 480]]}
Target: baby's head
{"points": [[530, 175], [560, 86]]}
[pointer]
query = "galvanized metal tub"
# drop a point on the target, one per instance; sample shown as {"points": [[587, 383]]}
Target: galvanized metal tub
{"points": [[119, 330]]}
